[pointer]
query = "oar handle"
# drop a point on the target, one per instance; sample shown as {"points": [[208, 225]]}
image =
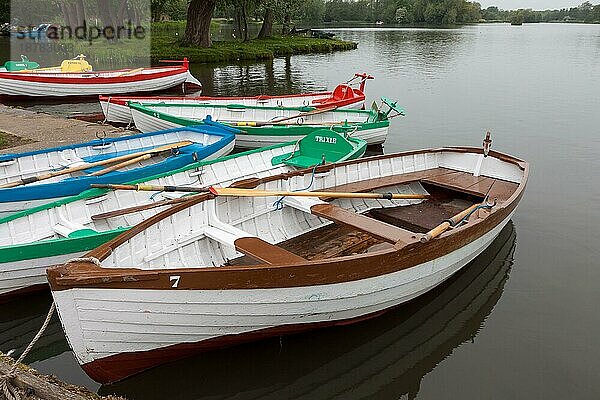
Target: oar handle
{"points": [[443, 227], [149, 188], [143, 207]]}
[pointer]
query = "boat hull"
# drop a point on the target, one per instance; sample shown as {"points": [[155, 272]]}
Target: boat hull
{"points": [[155, 326], [39, 85], [24, 257], [119, 112], [373, 133]]}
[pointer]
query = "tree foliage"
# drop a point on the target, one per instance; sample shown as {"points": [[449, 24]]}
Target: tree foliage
{"points": [[403, 11], [586, 12]]}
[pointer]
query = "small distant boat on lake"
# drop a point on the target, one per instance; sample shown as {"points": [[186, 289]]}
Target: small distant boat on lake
{"points": [[265, 126], [76, 78], [37, 177], [116, 109], [231, 266], [32, 240]]}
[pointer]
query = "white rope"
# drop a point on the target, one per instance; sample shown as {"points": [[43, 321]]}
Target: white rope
{"points": [[9, 391], [294, 149]]}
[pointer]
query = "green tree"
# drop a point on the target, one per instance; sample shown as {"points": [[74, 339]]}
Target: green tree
{"points": [[197, 28]]}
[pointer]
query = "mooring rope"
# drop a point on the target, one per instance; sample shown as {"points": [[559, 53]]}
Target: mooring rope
{"points": [[279, 202], [7, 389]]}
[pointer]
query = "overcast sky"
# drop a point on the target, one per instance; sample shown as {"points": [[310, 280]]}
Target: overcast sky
{"points": [[535, 4]]}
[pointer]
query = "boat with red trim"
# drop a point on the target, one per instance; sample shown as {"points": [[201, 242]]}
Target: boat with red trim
{"points": [[61, 81], [116, 108]]}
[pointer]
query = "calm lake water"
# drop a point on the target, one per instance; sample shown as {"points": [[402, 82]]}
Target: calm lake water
{"points": [[521, 321]]}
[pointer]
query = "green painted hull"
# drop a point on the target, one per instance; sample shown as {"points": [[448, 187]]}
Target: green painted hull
{"points": [[373, 126]]}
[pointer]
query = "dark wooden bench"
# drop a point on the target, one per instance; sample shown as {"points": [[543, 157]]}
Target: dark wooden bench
{"points": [[265, 252], [381, 230]]}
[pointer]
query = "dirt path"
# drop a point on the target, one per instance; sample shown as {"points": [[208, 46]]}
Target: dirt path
{"points": [[27, 130]]}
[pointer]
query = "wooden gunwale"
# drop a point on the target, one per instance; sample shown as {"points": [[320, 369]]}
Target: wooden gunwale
{"points": [[328, 271]]}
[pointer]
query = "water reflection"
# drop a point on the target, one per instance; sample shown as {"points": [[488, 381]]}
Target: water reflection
{"points": [[19, 322], [382, 358], [253, 78]]}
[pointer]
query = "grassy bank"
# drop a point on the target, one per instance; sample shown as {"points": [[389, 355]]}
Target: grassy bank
{"points": [[166, 43], [164, 47], [7, 140]]}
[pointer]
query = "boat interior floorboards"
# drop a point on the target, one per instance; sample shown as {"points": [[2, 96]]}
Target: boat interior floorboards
{"points": [[451, 192]]}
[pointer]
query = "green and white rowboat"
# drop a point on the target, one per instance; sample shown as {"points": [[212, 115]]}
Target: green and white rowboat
{"points": [[50, 234], [265, 126]]}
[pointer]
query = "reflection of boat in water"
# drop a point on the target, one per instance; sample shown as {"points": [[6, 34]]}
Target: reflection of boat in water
{"points": [[21, 319], [385, 357]]}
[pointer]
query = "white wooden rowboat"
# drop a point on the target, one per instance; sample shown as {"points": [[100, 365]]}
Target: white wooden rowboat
{"points": [[93, 83], [255, 122], [116, 109], [231, 269]]}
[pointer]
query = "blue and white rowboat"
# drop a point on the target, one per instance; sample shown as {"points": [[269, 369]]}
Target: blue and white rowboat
{"points": [[209, 141]]}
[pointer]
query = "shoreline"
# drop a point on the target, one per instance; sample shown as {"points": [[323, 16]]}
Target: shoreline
{"points": [[23, 130], [253, 50]]}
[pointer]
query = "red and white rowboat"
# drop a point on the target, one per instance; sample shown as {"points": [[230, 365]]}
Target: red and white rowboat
{"points": [[93, 83], [115, 108]]}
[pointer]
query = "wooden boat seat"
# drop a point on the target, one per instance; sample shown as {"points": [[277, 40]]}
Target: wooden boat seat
{"points": [[265, 252], [70, 229], [381, 230], [302, 203], [385, 181], [474, 185]]}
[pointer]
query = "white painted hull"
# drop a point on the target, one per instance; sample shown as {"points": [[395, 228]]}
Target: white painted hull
{"points": [[20, 275], [151, 319], [148, 123], [119, 113], [42, 89], [7, 209], [43, 224]]}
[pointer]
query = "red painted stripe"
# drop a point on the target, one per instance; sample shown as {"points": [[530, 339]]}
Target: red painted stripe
{"points": [[329, 102], [91, 78]]}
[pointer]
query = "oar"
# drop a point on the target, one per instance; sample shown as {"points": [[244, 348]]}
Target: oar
{"points": [[279, 120], [335, 195], [444, 226], [122, 164], [129, 210], [150, 188], [113, 160]]}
